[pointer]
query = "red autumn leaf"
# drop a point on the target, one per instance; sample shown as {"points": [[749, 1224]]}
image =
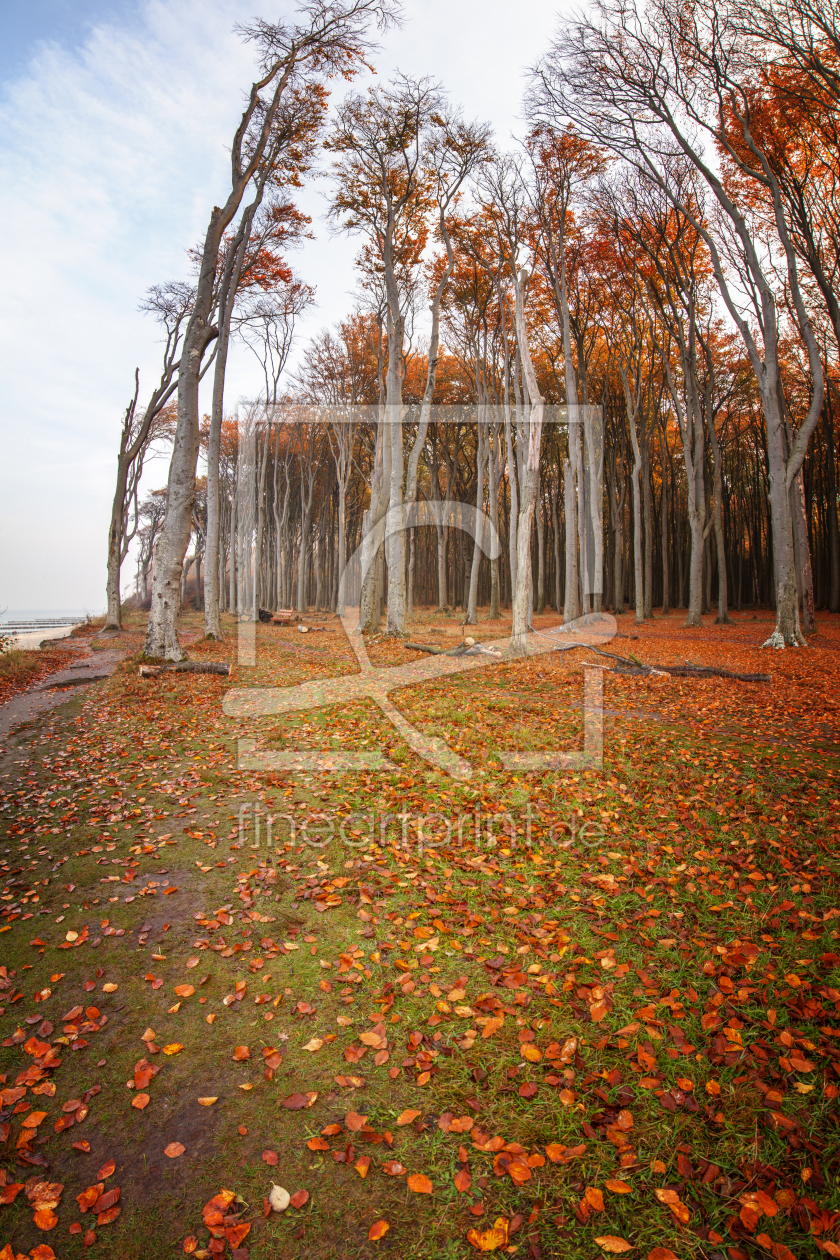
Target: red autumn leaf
{"points": [[107, 1200], [88, 1197], [235, 1234], [299, 1198], [270, 1157], [463, 1180], [378, 1230]]}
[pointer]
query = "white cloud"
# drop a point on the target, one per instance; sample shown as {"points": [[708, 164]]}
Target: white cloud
{"points": [[112, 156]]}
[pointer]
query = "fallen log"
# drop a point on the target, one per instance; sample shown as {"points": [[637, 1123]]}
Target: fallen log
{"points": [[633, 666], [462, 649], [185, 667]]}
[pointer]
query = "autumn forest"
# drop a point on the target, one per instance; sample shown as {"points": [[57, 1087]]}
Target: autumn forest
{"points": [[462, 760]]}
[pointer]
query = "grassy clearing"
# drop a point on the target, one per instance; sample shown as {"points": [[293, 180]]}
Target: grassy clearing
{"points": [[618, 1022]]}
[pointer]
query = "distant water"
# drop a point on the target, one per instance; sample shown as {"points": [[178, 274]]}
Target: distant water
{"points": [[30, 633], [45, 614]]}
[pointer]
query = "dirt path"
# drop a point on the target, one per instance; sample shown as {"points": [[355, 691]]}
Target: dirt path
{"points": [[88, 668]]}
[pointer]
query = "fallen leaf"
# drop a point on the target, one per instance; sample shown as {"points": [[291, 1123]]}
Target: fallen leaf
{"points": [[174, 1149], [619, 1187], [299, 1198], [174, 1047], [420, 1184], [614, 1245], [241, 1053], [140, 1101], [208, 1102], [271, 1157], [379, 1230], [489, 1239]]}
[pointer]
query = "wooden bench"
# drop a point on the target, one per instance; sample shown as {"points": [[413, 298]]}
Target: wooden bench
{"points": [[282, 616]]}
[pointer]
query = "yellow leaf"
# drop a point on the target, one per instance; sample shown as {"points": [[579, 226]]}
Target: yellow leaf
{"points": [[207, 1102], [174, 1047], [489, 1239], [614, 1245]]}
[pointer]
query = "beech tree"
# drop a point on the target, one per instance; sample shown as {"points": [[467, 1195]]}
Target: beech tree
{"points": [[331, 38], [648, 86], [171, 304]]}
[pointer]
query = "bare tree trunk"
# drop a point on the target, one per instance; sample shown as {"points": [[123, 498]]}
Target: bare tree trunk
{"points": [[555, 522], [664, 528], [648, 510], [540, 555], [472, 612]]}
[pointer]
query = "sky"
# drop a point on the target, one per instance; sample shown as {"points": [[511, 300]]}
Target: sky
{"points": [[115, 117]]}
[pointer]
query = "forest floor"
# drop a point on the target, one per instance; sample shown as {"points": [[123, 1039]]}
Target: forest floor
{"points": [[556, 1013]]}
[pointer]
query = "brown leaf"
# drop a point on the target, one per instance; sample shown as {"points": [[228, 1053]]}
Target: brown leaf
{"points": [[619, 1187], [673, 1201], [241, 1053], [614, 1245], [271, 1157], [174, 1149], [420, 1184], [295, 1102], [406, 1117], [594, 1198], [354, 1122], [299, 1198]]}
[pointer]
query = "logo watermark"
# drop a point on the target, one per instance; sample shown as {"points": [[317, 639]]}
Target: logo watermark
{"points": [[584, 426], [412, 831]]}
